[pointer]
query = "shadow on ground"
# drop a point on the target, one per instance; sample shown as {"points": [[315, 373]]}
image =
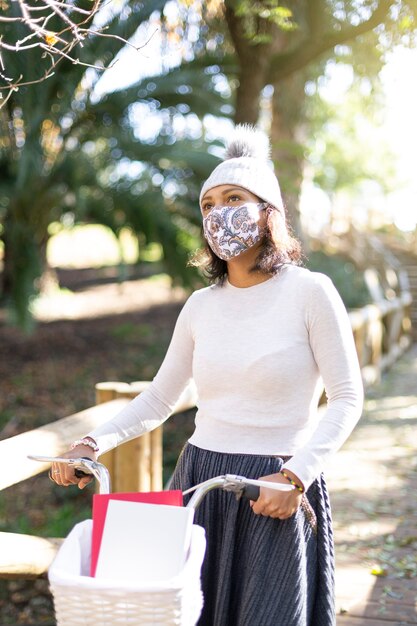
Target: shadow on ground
{"points": [[373, 484]]}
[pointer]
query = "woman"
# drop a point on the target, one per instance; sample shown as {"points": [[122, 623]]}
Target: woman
{"points": [[258, 342]]}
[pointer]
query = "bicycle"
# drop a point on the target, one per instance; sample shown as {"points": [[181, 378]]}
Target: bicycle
{"points": [[82, 600]]}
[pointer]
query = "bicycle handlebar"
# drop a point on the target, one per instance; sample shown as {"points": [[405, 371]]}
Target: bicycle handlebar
{"points": [[239, 485], [82, 467]]}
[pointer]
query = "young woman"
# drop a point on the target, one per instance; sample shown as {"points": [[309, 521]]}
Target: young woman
{"points": [[258, 343]]}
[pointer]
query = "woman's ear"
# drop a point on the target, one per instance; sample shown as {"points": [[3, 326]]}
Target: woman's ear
{"points": [[278, 226]]}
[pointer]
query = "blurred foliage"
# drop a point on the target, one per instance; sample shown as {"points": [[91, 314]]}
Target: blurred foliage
{"points": [[67, 154], [267, 11], [348, 280], [346, 146]]}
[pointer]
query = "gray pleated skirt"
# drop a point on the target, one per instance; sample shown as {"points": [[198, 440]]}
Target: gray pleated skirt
{"points": [[260, 571]]}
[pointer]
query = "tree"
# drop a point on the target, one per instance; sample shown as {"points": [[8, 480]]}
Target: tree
{"points": [[287, 45], [66, 151]]}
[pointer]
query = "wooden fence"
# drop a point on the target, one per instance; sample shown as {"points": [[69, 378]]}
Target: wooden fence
{"points": [[382, 333], [135, 466]]}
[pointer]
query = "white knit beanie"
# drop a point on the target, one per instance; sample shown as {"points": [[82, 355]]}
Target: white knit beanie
{"points": [[246, 165]]}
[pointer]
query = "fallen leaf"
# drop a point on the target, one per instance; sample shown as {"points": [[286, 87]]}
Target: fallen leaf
{"points": [[377, 570]]}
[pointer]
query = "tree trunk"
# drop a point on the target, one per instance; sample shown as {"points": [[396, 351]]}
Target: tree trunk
{"points": [[253, 64], [287, 105], [287, 147], [22, 266], [6, 285], [248, 96], [48, 280]]}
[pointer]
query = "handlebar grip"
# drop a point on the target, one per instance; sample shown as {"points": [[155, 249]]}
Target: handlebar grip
{"points": [[251, 492], [79, 472]]}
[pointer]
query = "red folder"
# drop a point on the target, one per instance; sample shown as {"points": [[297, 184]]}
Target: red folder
{"points": [[101, 501]]}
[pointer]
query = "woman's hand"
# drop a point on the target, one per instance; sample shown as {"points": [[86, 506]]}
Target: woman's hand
{"points": [[63, 474], [278, 504]]}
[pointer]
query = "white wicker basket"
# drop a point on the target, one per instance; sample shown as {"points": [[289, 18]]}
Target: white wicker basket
{"points": [[82, 600]]}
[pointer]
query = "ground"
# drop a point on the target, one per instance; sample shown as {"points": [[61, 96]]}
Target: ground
{"points": [[373, 485]]}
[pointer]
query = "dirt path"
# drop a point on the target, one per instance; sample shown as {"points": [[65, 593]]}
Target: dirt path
{"points": [[373, 483]]}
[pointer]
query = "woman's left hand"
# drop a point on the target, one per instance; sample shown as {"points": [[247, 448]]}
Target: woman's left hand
{"points": [[277, 504]]}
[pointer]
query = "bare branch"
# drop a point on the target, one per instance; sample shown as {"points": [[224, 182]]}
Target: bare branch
{"points": [[73, 60], [75, 27], [128, 43], [66, 19], [9, 95], [41, 8], [11, 19], [17, 47], [63, 5]]}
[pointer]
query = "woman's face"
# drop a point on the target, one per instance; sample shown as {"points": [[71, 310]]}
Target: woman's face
{"points": [[229, 195]]}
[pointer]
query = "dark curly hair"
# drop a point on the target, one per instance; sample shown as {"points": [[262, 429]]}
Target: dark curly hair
{"points": [[278, 248]]}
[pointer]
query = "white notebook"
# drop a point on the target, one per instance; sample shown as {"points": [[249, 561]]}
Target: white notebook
{"points": [[144, 543]]}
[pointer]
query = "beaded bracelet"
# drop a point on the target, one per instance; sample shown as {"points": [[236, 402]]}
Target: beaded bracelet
{"points": [[85, 442], [290, 480]]}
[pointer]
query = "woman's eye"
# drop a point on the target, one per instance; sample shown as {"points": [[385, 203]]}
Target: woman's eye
{"points": [[233, 198]]}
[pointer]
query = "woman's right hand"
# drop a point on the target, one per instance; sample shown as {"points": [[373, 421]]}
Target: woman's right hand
{"points": [[63, 474]]}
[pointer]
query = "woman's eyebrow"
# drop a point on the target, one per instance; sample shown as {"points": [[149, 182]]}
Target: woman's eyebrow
{"points": [[229, 189], [224, 192]]}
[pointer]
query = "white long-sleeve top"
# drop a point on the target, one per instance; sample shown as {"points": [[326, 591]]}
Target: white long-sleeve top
{"points": [[259, 357]]}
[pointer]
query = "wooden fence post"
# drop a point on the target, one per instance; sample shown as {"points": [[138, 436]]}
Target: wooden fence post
{"points": [[104, 393], [156, 464], [137, 464], [359, 337]]}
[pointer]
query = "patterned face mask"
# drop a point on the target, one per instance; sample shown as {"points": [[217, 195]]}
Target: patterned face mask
{"points": [[230, 230]]}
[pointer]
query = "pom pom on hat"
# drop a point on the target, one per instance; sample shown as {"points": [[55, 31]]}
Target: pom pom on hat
{"points": [[247, 141], [247, 165]]}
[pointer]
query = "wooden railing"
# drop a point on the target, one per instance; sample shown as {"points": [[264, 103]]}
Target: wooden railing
{"points": [[383, 329], [382, 333], [135, 466]]}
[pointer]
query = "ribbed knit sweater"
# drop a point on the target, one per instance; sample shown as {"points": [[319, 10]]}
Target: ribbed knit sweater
{"points": [[259, 357]]}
